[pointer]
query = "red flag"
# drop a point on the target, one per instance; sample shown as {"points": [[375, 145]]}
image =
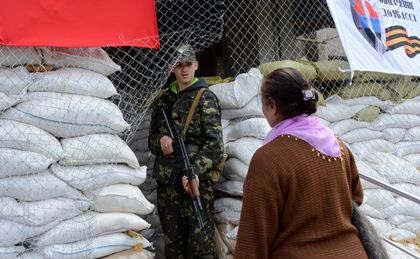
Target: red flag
{"points": [[78, 23]]}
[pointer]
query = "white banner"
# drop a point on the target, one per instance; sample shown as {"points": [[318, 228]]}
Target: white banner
{"points": [[379, 35]]}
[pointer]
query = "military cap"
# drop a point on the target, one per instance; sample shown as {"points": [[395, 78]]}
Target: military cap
{"points": [[186, 54]]}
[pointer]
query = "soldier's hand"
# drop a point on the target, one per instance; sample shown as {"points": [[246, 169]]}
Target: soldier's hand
{"points": [[187, 185], [166, 145]]}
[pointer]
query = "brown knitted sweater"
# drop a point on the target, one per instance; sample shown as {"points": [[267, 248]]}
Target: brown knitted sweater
{"points": [[297, 204]]}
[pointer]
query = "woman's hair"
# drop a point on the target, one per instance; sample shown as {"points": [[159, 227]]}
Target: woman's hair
{"points": [[291, 92]]}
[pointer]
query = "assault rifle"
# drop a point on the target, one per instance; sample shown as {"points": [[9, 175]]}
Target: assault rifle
{"points": [[186, 167]]}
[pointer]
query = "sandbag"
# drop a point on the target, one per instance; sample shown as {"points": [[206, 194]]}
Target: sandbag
{"points": [[235, 169], [6, 101], [11, 252], [378, 198], [394, 135], [407, 107], [365, 169], [234, 188], [382, 226], [358, 135], [254, 127], [368, 100], [402, 206], [405, 121], [399, 235], [95, 59], [89, 225], [370, 211], [39, 213], [401, 88], [90, 177], [68, 115], [73, 81], [237, 94], [308, 70], [94, 248], [413, 159], [412, 134], [394, 169], [252, 109], [368, 114], [12, 233], [97, 149], [120, 198], [243, 148], [132, 254], [333, 70], [341, 127], [354, 90], [12, 56], [407, 148], [365, 147], [36, 187], [227, 210], [16, 162], [25, 137], [335, 112]]}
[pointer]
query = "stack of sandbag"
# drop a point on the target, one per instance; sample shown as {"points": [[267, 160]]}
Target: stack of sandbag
{"points": [[384, 137], [244, 129], [68, 182], [140, 147]]}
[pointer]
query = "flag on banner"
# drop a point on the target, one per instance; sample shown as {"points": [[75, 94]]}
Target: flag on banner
{"points": [[379, 35], [79, 23]]}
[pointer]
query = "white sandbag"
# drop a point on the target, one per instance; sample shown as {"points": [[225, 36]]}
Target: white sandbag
{"points": [[413, 159], [252, 109], [243, 148], [11, 252], [12, 56], [22, 136], [394, 135], [398, 234], [407, 148], [38, 213], [412, 134], [233, 233], [231, 187], [383, 227], [95, 247], [12, 233], [90, 225], [341, 127], [90, 177], [225, 123], [68, 115], [95, 59], [408, 187], [237, 94], [228, 210], [221, 249], [254, 127], [358, 135], [120, 198], [405, 121], [372, 145], [412, 226], [394, 169], [235, 169], [337, 111], [14, 82], [407, 107], [73, 81], [18, 162], [132, 254], [399, 219], [37, 187], [6, 101], [402, 206], [97, 149], [365, 169], [369, 101], [371, 211], [31, 255], [378, 198], [324, 122]]}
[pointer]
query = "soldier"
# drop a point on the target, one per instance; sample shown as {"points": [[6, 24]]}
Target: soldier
{"points": [[204, 143]]}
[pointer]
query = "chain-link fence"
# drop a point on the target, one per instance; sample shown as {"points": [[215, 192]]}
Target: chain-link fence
{"points": [[64, 114]]}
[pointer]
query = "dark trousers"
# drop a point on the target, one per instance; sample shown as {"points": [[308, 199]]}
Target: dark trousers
{"points": [[180, 224]]}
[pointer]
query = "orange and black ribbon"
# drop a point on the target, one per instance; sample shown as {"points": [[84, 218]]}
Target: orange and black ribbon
{"points": [[397, 36]]}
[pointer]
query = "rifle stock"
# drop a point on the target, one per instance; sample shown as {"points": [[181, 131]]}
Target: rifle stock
{"points": [[185, 166]]}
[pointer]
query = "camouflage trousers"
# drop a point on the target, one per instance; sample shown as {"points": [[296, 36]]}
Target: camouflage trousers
{"points": [[180, 223]]}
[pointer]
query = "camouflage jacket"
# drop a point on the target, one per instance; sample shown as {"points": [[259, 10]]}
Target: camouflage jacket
{"points": [[204, 131]]}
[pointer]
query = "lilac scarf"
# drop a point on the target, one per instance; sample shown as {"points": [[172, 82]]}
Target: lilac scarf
{"points": [[310, 130]]}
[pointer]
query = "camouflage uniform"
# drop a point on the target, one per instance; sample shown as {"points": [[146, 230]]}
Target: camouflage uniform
{"points": [[175, 206]]}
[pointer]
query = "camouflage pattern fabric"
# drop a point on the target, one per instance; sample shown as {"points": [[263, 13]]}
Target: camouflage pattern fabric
{"points": [[180, 224], [175, 207]]}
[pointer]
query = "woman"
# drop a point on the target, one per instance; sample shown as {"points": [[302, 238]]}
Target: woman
{"points": [[300, 185]]}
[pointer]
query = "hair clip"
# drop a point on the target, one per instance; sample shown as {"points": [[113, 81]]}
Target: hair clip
{"points": [[309, 94]]}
